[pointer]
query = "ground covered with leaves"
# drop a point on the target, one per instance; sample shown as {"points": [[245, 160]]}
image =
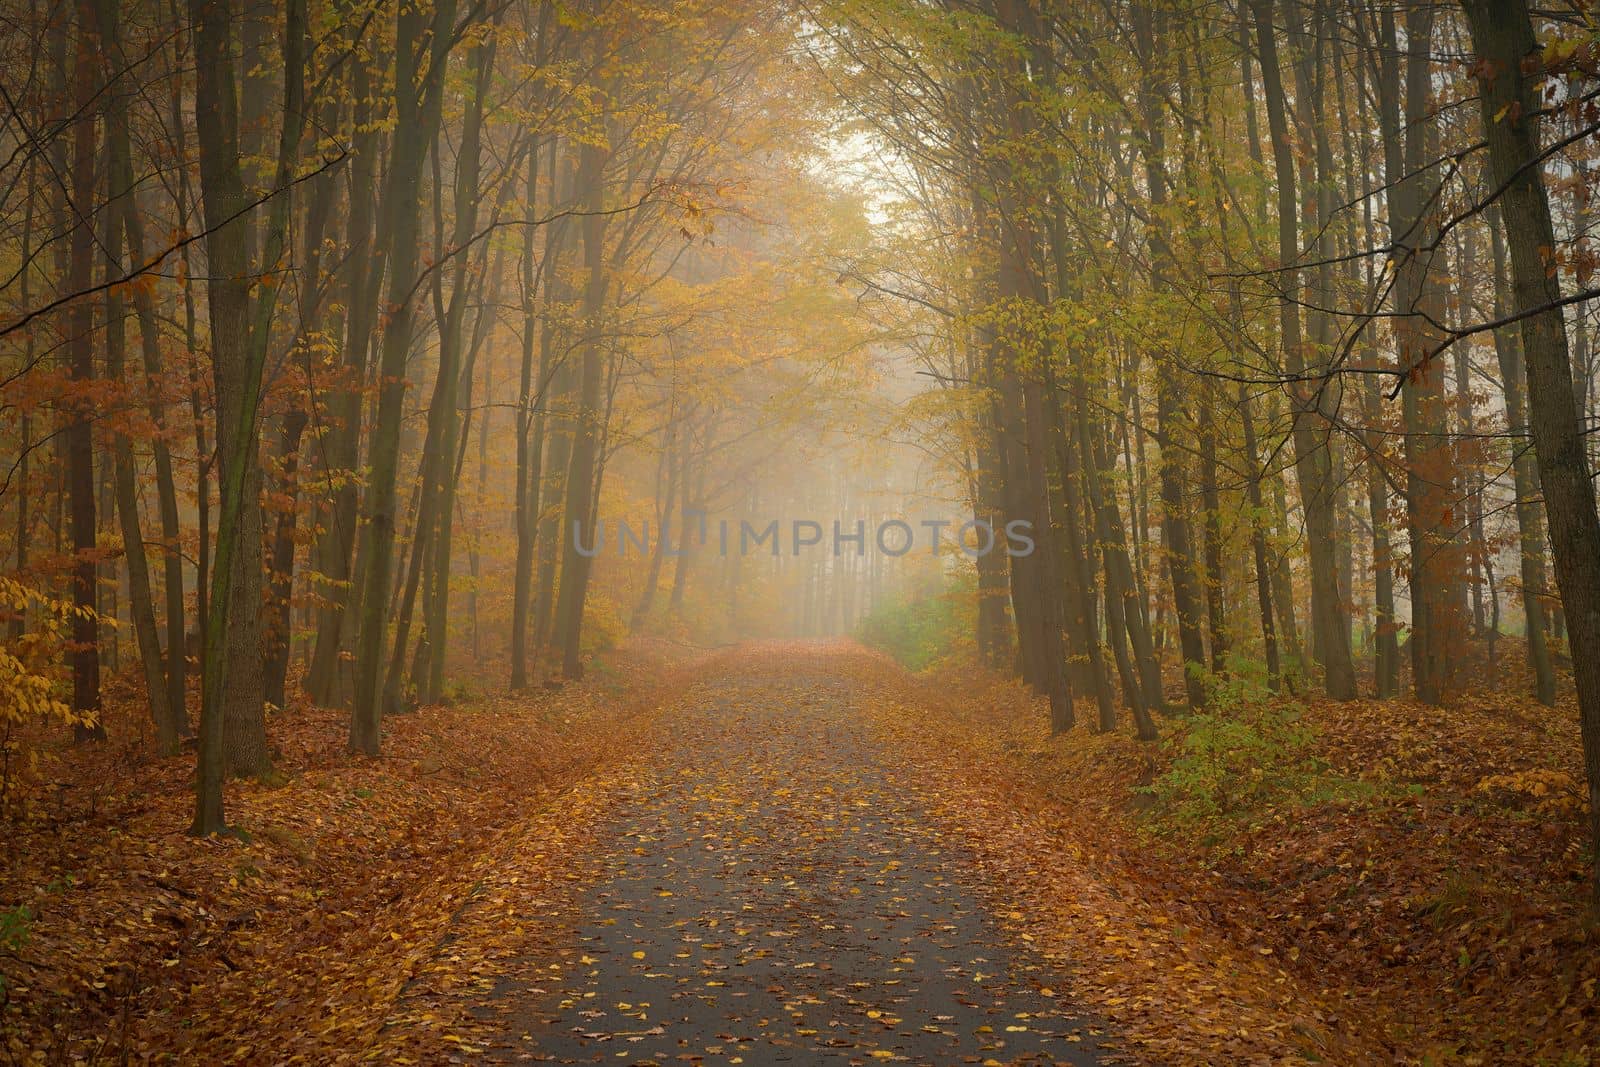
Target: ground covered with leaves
{"points": [[1414, 875], [801, 852], [290, 942]]}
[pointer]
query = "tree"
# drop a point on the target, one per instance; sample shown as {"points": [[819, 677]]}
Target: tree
{"points": [[232, 727], [1507, 71], [423, 42], [78, 435]]}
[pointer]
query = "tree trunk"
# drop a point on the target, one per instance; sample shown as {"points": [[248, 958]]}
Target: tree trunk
{"points": [[1216, 608], [232, 727], [667, 499], [1258, 543], [175, 666], [140, 603], [529, 397], [1182, 566], [1524, 480], [1121, 581], [1437, 618], [580, 490], [280, 594], [24, 528], [141, 607], [1072, 519], [328, 677], [452, 380], [1502, 36], [1308, 394], [418, 93], [78, 435]]}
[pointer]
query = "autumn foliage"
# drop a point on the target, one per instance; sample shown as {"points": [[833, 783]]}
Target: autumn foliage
{"points": [[1110, 485]]}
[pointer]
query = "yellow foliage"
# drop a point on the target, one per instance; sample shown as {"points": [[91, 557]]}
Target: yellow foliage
{"points": [[29, 691], [1545, 792], [603, 627]]}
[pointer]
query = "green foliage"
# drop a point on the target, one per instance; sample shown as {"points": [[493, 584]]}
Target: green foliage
{"points": [[1244, 684], [459, 692], [1240, 757], [920, 631], [16, 925]]}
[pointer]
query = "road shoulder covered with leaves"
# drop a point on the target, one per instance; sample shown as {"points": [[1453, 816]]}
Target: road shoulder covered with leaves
{"points": [[291, 942], [1375, 881]]}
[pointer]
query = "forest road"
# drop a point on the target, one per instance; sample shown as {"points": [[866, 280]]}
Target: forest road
{"points": [[769, 893]]}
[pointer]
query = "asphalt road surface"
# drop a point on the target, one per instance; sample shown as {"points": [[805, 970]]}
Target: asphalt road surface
{"points": [[769, 896]]}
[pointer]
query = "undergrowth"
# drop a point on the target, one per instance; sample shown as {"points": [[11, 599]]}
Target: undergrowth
{"points": [[1248, 753], [920, 631]]}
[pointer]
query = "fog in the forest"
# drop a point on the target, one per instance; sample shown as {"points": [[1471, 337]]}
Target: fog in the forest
{"points": [[1110, 482]]}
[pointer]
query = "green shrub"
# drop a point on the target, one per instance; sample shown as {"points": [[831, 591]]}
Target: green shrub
{"points": [[16, 924], [1233, 761], [920, 631]]}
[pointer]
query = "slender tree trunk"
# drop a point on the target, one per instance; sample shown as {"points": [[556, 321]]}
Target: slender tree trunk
{"points": [[556, 426], [667, 498], [232, 729], [280, 594], [996, 619], [132, 224], [1436, 567], [451, 379], [1468, 446], [1072, 518], [1502, 36], [554, 408], [291, 429], [1258, 542], [418, 93], [140, 604], [166, 490], [526, 516], [1313, 458], [1524, 480], [479, 503], [24, 527], [1121, 579], [1182, 565], [191, 335], [327, 676], [580, 490], [78, 435], [1216, 608]]}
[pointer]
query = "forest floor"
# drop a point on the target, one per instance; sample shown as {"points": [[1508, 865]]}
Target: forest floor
{"points": [[800, 850]]}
